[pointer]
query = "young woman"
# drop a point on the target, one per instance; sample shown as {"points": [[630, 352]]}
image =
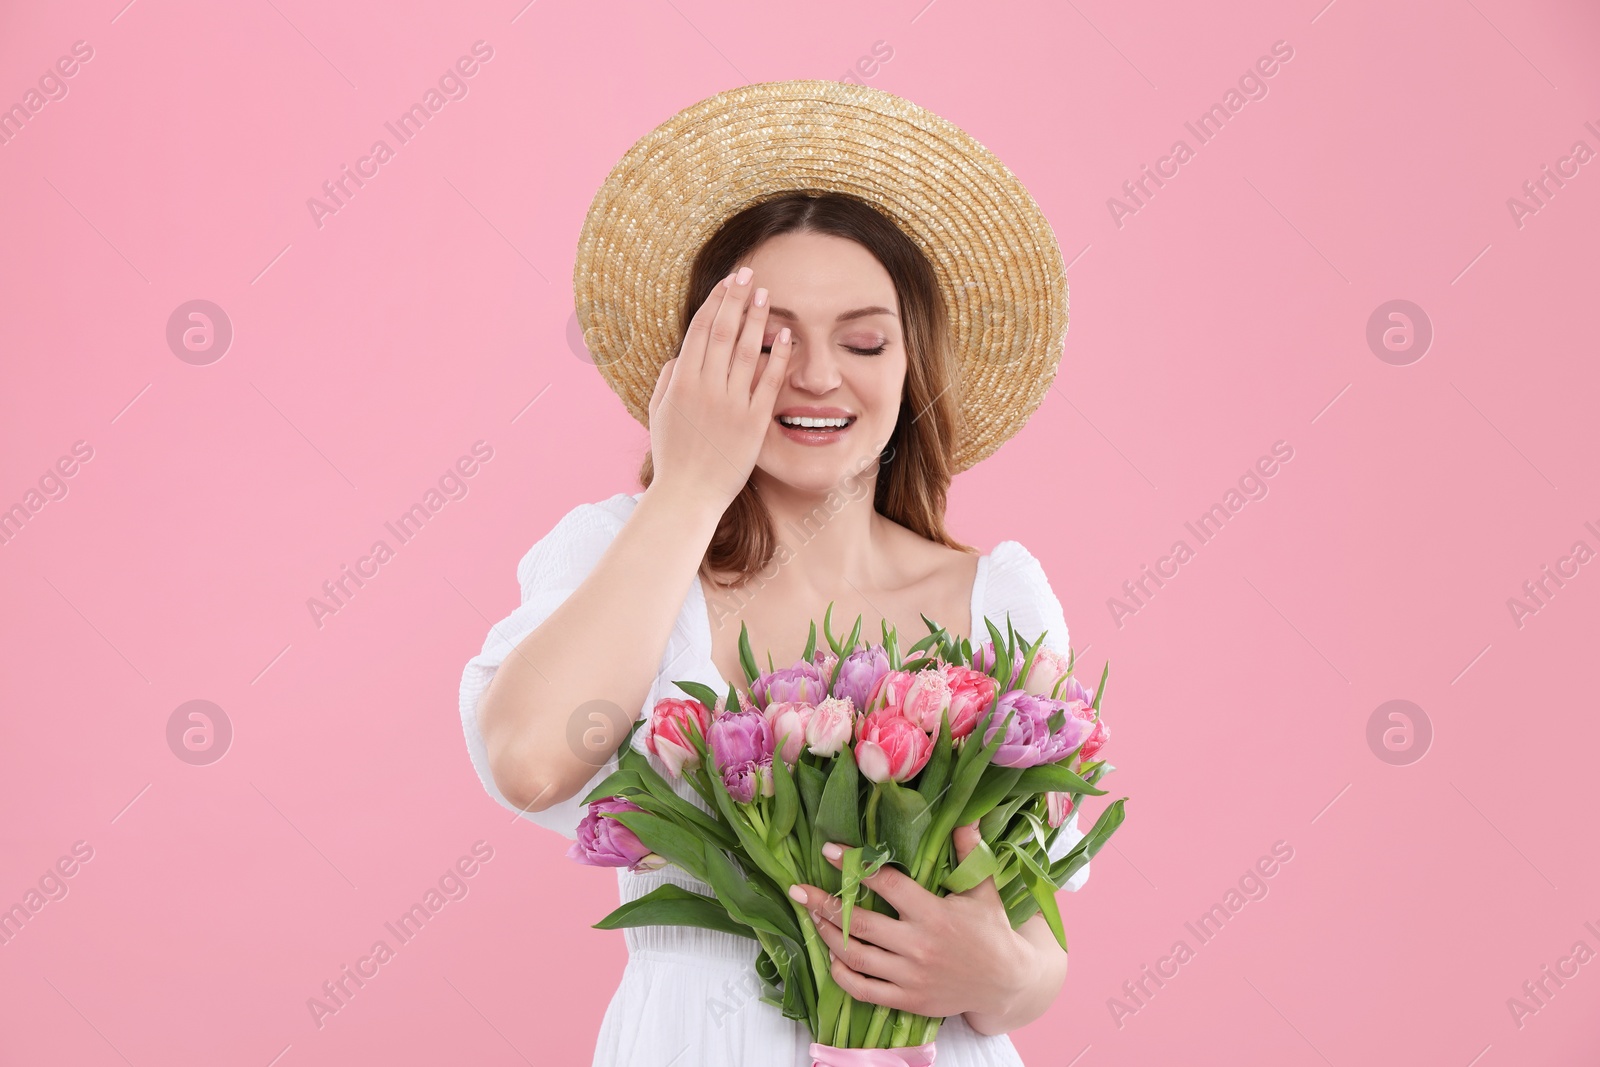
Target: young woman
{"points": [[802, 442]]}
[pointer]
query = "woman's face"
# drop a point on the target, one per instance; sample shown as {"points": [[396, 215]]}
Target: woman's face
{"points": [[848, 360]]}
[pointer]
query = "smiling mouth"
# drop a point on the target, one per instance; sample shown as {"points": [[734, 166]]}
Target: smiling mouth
{"points": [[815, 425]]}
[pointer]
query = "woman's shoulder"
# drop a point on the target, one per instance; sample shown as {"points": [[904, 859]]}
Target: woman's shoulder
{"points": [[580, 535]]}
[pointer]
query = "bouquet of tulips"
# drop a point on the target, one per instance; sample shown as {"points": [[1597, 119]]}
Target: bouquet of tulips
{"points": [[883, 754]]}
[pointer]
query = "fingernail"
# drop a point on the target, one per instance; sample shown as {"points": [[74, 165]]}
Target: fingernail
{"points": [[761, 297], [728, 281], [798, 894], [832, 850], [744, 276], [783, 336]]}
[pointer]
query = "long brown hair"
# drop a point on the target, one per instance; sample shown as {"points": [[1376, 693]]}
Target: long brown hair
{"points": [[916, 466]]}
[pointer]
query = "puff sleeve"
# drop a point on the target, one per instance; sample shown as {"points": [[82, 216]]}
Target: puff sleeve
{"points": [[1017, 585], [550, 571]]}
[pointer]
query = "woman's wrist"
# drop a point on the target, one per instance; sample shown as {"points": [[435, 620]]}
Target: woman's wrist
{"points": [[695, 511]]}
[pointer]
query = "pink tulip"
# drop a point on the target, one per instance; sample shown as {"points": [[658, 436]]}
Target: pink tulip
{"points": [[1057, 807], [1101, 734], [890, 691], [1047, 668], [890, 746], [603, 842], [830, 726], [672, 723], [788, 720], [971, 694], [927, 699]]}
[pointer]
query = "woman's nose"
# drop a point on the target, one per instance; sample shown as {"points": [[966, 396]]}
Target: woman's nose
{"points": [[813, 368]]}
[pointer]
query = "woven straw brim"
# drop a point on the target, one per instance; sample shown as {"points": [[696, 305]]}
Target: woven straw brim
{"points": [[993, 251]]}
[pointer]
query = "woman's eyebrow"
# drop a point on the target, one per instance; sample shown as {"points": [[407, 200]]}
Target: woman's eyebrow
{"points": [[784, 313]]}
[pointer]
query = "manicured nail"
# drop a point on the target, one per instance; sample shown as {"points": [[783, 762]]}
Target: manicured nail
{"points": [[783, 336], [798, 894], [728, 281], [832, 850], [744, 276], [761, 298]]}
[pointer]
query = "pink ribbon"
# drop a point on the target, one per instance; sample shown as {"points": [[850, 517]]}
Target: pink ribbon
{"points": [[908, 1056]]}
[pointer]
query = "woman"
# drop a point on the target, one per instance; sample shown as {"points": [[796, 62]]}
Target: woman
{"points": [[802, 442]]}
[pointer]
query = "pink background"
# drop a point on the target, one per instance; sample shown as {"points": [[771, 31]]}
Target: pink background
{"points": [[1228, 313]]}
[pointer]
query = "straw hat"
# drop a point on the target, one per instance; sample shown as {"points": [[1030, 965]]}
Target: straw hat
{"points": [[993, 252]]}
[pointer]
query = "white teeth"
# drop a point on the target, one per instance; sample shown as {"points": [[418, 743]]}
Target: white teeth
{"points": [[810, 423]]}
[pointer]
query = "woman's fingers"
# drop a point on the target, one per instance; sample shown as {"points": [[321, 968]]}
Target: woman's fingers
{"points": [[662, 380], [747, 350], [772, 372], [725, 329], [693, 353], [861, 955]]}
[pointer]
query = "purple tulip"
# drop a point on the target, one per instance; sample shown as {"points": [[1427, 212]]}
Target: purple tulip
{"points": [[804, 683], [860, 673], [741, 748], [1028, 740], [604, 842]]}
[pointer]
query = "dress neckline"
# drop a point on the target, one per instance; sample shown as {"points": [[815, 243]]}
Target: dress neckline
{"points": [[980, 582]]}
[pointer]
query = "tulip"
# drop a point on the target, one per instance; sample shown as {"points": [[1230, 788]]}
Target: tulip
{"points": [[1028, 740], [859, 675], [825, 660], [971, 693], [788, 720], [830, 726], [671, 731], [1048, 667], [1098, 736], [985, 660], [803, 683], [1072, 689], [1057, 807], [890, 747], [889, 692], [605, 842], [927, 699], [741, 748]]}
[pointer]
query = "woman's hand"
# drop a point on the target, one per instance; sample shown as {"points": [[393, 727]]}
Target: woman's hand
{"points": [[713, 401], [950, 955]]}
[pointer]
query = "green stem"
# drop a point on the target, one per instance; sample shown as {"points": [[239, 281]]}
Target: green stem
{"points": [[880, 1015], [901, 1035], [872, 815]]}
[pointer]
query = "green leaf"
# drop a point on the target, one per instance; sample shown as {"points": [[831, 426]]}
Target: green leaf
{"points": [[1101, 688], [936, 774], [827, 629], [980, 863], [993, 787], [1091, 843], [617, 783], [903, 819], [1053, 778], [747, 659], [838, 816], [811, 782], [1043, 891], [672, 905], [683, 812], [786, 802], [811, 643], [1002, 658], [703, 693]]}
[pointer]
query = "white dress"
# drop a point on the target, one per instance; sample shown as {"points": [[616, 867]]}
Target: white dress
{"points": [[690, 996]]}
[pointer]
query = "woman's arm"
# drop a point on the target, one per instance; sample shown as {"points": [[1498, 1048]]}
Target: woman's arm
{"points": [[706, 429], [1043, 972], [539, 756]]}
